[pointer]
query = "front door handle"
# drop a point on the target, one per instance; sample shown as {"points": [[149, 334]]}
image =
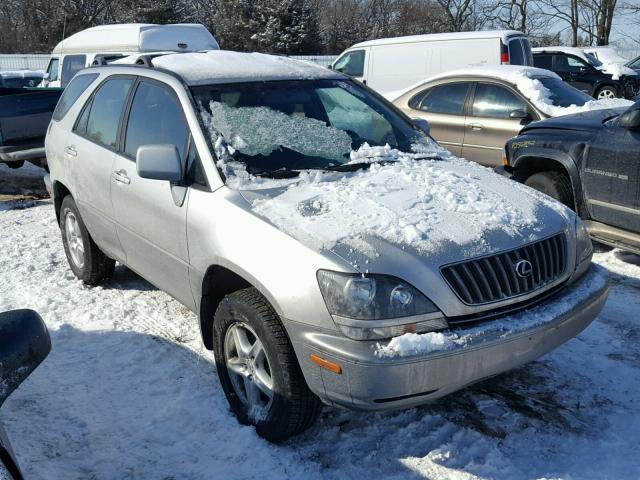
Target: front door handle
{"points": [[121, 176], [475, 126], [71, 151]]}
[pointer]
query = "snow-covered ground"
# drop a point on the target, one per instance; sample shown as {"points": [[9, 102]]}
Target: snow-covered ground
{"points": [[128, 392]]}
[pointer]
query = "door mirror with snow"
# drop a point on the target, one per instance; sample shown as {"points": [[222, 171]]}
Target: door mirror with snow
{"points": [[423, 125]]}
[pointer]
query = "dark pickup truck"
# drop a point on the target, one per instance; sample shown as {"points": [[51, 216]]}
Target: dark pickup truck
{"points": [[25, 114], [590, 162]]}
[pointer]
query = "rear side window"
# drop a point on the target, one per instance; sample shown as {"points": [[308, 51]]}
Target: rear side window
{"points": [[156, 117], [71, 64], [516, 55], [73, 91], [101, 117], [543, 61], [496, 102], [447, 98], [351, 64]]}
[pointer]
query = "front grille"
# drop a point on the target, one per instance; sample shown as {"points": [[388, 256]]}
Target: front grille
{"points": [[492, 279]]}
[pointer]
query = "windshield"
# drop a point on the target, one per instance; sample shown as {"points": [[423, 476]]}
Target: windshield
{"points": [[564, 95], [593, 60], [297, 125]]}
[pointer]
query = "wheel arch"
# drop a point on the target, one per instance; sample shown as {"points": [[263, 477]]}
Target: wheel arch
{"points": [[606, 83], [59, 192], [533, 162], [219, 281]]}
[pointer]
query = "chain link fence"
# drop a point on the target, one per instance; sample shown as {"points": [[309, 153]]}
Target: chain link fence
{"points": [[24, 62], [40, 61]]}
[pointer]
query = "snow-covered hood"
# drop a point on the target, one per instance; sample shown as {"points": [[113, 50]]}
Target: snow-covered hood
{"points": [[438, 211]]}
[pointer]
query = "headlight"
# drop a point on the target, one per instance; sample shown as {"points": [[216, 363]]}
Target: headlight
{"points": [[377, 306], [584, 248]]}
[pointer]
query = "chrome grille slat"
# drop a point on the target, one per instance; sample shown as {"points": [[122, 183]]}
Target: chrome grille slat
{"points": [[492, 279]]}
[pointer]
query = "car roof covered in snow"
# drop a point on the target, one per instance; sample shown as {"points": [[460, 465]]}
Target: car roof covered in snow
{"points": [[578, 52], [21, 73], [138, 37], [221, 66], [502, 34], [507, 73]]}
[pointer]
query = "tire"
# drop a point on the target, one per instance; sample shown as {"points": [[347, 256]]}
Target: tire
{"points": [[292, 407], [15, 165], [554, 184], [86, 260], [606, 92]]}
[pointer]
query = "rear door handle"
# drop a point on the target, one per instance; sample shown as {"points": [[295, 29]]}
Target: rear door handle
{"points": [[71, 151], [121, 176], [475, 126]]}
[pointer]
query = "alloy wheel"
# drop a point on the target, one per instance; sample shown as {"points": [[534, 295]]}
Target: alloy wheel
{"points": [[606, 94], [249, 368], [74, 239]]}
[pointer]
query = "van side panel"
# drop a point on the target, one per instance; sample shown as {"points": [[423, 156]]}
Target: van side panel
{"points": [[394, 67]]}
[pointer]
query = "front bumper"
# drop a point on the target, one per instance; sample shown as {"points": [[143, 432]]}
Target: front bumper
{"points": [[374, 381]]}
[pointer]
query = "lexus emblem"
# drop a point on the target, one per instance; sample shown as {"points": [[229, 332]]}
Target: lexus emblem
{"points": [[523, 268]]}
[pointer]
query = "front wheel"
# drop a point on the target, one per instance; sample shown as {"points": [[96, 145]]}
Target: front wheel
{"points": [[258, 369], [554, 184], [606, 93], [85, 258]]}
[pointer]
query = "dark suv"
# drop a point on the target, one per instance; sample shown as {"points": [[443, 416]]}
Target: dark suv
{"points": [[585, 73]]}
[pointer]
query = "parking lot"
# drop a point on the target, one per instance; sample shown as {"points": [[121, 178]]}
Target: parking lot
{"points": [[129, 391]]}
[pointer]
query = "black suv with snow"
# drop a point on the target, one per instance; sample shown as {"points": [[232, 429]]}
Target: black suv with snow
{"points": [[590, 162], [586, 75]]}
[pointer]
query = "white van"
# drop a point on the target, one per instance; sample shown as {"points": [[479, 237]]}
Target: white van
{"points": [[111, 42], [389, 65]]}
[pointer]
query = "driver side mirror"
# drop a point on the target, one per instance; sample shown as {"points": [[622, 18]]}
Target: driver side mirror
{"points": [[630, 119], [159, 162], [520, 115], [422, 124], [24, 343], [45, 76]]}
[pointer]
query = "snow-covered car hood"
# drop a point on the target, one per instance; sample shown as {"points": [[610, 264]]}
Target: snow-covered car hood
{"points": [[439, 211]]}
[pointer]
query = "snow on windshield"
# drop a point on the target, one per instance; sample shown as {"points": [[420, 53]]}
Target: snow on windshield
{"points": [[542, 97], [261, 130]]}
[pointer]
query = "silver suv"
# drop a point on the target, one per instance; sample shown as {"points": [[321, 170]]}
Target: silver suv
{"points": [[332, 250]]}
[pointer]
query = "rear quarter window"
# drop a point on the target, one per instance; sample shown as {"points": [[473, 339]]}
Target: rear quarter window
{"points": [[73, 91]]}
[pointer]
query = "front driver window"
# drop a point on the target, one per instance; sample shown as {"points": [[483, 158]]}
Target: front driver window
{"points": [[351, 64], [570, 64], [52, 70], [496, 102], [156, 117], [71, 65]]}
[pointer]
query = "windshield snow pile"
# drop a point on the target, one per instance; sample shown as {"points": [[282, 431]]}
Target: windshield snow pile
{"points": [[541, 97], [411, 344]]}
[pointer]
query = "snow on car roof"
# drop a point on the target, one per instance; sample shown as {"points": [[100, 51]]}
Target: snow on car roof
{"points": [[527, 81], [222, 66], [502, 34], [138, 37], [21, 73], [578, 52]]}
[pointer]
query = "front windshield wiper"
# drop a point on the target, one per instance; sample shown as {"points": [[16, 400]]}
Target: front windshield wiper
{"points": [[352, 167], [280, 173]]}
